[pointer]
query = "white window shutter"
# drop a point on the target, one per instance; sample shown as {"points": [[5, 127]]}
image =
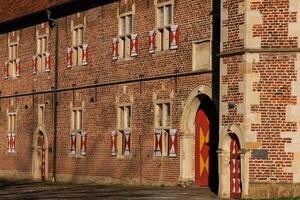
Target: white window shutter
{"points": [[47, 62], [174, 37], [85, 54], [18, 67], [172, 142], [127, 136], [69, 58], [34, 64], [83, 145], [115, 48], [152, 41], [113, 143], [133, 45], [73, 143], [6, 72], [158, 142]]}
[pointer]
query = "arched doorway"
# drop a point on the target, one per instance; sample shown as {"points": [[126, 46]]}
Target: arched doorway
{"points": [[235, 168], [40, 156], [233, 163], [199, 140]]}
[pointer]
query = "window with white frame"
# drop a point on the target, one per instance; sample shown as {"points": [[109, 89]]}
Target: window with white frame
{"points": [[77, 45], [13, 59], [162, 128], [78, 136], [124, 130], [42, 49], [11, 129], [125, 31], [164, 21]]}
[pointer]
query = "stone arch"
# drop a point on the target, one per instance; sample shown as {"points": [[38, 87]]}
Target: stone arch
{"points": [[199, 96], [36, 158], [224, 161]]}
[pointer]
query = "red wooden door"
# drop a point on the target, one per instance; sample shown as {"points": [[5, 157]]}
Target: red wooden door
{"points": [[201, 149], [235, 169], [43, 159]]}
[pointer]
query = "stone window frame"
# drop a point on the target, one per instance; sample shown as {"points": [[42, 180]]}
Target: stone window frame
{"points": [[163, 31], [122, 129], [42, 49], [77, 128], [77, 46], [11, 129], [164, 127], [13, 56], [41, 114], [124, 39]]}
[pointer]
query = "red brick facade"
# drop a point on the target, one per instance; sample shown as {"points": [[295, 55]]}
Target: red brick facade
{"points": [[164, 75]]}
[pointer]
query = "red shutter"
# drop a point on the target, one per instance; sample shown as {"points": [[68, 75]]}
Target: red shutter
{"points": [[69, 58], [13, 142], [9, 142], [152, 41], [47, 62], [85, 54], [113, 143], [18, 67], [158, 142], [115, 48], [83, 144], [174, 37], [6, 73], [133, 45], [172, 142], [73, 143], [34, 64], [127, 142]]}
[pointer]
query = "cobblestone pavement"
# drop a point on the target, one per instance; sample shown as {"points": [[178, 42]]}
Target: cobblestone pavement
{"points": [[34, 190]]}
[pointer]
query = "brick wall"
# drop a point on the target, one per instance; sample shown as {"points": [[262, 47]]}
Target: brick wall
{"points": [[100, 114]]}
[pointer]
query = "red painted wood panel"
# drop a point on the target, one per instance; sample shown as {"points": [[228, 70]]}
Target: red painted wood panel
{"points": [[201, 149], [235, 169]]}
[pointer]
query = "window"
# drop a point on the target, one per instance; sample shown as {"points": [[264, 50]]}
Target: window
{"points": [[164, 22], [11, 135], [42, 49], [41, 114], [124, 127], [77, 45], [162, 126], [13, 70], [125, 31], [78, 136]]}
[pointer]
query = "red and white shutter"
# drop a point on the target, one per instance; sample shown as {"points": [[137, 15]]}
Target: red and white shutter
{"points": [[47, 62], [6, 73], [152, 41], [158, 142], [127, 142], [174, 37], [69, 58], [83, 144], [9, 142], [113, 143], [34, 64], [115, 49], [18, 66], [13, 142], [73, 143], [133, 45], [172, 142], [85, 54]]}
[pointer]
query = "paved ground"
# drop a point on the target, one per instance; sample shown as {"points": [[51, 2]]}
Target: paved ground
{"points": [[34, 190]]}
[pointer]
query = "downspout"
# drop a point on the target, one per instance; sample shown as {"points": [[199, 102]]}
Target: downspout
{"points": [[53, 23]]}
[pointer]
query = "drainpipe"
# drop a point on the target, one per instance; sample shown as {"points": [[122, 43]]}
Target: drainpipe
{"points": [[54, 23]]}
